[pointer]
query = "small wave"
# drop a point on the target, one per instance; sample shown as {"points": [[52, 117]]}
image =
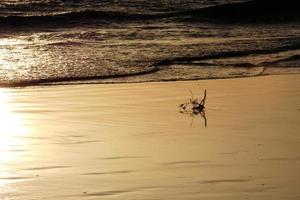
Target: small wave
{"points": [[65, 43], [226, 54], [88, 16], [290, 58], [256, 11], [288, 62], [44, 81], [28, 6]]}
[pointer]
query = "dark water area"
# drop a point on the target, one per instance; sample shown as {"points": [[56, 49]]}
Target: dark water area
{"points": [[94, 41]]}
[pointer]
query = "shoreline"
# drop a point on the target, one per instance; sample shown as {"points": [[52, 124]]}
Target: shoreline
{"points": [[98, 81], [129, 141]]}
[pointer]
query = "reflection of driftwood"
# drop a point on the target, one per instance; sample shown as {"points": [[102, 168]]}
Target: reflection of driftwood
{"points": [[195, 107]]}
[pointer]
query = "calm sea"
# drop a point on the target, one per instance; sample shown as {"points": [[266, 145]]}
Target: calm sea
{"points": [[74, 41]]}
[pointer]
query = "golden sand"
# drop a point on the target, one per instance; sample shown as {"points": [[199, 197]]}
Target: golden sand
{"points": [[129, 141]]}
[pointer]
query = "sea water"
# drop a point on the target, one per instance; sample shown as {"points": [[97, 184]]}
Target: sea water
{"points": [[105, 41]]}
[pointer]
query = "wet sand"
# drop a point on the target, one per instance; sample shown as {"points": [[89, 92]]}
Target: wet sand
{"points": [[129, 141]]}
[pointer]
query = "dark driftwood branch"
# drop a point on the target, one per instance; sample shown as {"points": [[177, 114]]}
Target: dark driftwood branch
{"points": [[195, 106], [204, 98]]}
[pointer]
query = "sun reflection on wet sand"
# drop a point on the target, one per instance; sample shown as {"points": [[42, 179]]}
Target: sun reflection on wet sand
{"points": [[11, 127]]}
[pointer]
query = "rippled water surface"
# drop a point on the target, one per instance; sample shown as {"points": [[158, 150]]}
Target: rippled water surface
{"points": [[135, 41]]}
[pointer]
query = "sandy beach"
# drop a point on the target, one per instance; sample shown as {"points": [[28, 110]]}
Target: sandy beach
{"points": [[129, 141]]}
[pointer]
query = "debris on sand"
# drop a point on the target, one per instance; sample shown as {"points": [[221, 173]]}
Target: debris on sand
{"points": [[195, 106]]}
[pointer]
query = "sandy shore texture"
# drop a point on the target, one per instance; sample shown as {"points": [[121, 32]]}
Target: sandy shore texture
{"points": [[129, 141]]}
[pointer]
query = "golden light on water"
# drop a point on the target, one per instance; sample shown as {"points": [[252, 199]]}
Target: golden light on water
{"points": [[17, 56], [10, 52], [5, 62], [11, 127]]}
